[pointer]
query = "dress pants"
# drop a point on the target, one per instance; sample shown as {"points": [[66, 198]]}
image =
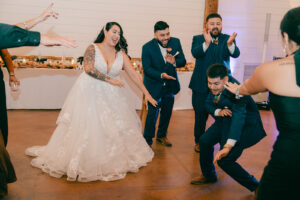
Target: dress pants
{"points": [[165, 104], [207, 141], [198, 102]]}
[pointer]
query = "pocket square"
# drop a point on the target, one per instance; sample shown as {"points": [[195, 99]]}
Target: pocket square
{"points": [[176, 53]]}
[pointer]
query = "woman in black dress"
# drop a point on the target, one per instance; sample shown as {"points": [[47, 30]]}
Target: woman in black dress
{"points": [[282, 79]]}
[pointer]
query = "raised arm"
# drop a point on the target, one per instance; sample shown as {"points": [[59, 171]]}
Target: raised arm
{"points": [[28, 24], [232, 48], [12, 36], [253, 85]]}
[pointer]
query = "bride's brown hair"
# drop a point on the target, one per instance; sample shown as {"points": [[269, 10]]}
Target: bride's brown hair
{"points": [[122, 44]]}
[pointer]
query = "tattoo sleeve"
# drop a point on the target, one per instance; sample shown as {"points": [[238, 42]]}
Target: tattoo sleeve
{"points": [[287, 63], [89, 61]]}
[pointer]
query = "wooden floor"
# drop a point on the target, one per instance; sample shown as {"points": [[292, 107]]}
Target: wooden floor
{"points": [[167, 177]]}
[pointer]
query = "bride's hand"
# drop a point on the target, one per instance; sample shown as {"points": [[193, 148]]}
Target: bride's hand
{"points": [[116, 82], [232, 87], [149, 99]]}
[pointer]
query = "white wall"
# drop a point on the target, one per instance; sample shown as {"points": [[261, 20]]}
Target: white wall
{"points": [[83, 19], [247, 18], [294, 3]]}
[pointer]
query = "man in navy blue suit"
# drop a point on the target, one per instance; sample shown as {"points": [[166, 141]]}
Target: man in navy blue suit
{"points": [[237, 126], [209, 48], [160, 58]]}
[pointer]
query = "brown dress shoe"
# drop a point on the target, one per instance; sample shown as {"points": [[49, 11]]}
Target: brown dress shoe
{"points": [[197, 148], [255, 193], [164, 141], [199, 180]]}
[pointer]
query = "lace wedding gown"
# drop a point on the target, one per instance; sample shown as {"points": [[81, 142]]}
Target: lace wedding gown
{"points": [[98, 135]]}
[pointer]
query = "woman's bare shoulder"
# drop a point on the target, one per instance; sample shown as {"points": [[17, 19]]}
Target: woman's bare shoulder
{"points": [[276, 64]]}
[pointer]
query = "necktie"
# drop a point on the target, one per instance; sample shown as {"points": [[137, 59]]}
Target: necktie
{"points": [[216, 99], [216, 42]]}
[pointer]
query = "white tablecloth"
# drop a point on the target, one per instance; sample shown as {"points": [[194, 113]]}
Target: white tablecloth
{"points": [[48, 88]]}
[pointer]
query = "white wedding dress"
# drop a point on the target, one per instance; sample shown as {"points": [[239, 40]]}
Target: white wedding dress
{"points": [[98, 134]]}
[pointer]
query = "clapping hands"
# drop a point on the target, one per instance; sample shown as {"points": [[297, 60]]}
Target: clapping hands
{"points": [[231, 39], [207, 37]]}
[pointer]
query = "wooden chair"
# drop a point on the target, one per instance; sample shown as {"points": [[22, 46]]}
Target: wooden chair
{"points": [[137, 64]]}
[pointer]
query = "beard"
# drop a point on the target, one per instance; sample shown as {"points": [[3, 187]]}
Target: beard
{"points": [[161, 44], [216, 34]]}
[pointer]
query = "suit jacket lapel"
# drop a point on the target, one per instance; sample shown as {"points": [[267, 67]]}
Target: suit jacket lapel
{"points": [[225, 99], [173, 51], [157, 50]]}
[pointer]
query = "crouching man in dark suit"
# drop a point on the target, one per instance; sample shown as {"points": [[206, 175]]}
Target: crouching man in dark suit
{"points": [[237, 126]]}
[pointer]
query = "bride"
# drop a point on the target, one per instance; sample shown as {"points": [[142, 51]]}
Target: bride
{"points": [[98, 136]]}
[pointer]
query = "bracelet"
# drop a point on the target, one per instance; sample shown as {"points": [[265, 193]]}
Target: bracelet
{"points": [[11, 74], [237, 93]]}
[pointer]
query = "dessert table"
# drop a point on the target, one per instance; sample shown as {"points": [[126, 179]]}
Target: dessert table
{"points": [[45, 88]]}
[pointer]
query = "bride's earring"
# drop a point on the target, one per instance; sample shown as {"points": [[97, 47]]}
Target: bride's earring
{"points": [[284, 49]]}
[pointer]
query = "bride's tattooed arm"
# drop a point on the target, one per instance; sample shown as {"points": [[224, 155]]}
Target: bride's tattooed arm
{"points": [[88, 62]]}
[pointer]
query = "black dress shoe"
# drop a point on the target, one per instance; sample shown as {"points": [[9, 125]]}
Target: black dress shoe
{"points": [[164, 141], [203, 180]]}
